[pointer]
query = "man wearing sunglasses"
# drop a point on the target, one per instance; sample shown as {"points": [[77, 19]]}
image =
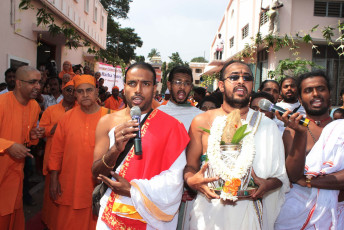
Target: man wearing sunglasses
{"points": [[258, 210], [180, 85], [18, 120]]}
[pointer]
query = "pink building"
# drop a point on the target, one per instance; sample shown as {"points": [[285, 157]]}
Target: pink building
{"points": [[22, 42], [241, 22]]}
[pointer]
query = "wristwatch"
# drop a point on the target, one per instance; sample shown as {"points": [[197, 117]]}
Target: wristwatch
{"points": [[308, 181]]}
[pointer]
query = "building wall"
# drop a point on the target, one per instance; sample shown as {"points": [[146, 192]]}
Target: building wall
{"points": [[20, 34]]}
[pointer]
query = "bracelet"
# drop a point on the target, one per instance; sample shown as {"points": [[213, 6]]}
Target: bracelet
{"points": [[308, 181], [109, 167]]}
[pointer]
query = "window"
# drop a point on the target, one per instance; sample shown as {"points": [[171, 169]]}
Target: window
{"points": [[263, 18], [95, 15], [244, 31], [198, 70], [231, 42], [87, 6], [329, 8], [102, 22], [196, 82]]}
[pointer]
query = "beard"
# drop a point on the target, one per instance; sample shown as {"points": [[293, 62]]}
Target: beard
{"points": [[235, 102], [178, 101], [290, 99], [316, 112]]}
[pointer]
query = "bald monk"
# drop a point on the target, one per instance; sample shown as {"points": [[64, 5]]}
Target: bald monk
{"points": [[71, 157], [18, 120], [49, 121], [114, 102], [67, 69]]}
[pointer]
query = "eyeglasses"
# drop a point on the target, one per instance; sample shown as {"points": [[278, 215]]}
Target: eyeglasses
{"points": [[236, 77], [32, 82], [180, 83]]}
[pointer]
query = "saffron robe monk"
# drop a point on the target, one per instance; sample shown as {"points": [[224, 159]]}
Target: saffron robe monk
{"points": [[71, 158], [49, 121], [67, 69], [18, 120], [114, 102]]}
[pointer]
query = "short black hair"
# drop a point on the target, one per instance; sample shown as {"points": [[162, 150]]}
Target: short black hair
{"points": [[340, 111], [262, 85], [222, 72], [10, 70], [180, 69], [141, 65], [200, 90], [316, 73], [286, 78], [54, 78], [263, 95], [210, 98]]}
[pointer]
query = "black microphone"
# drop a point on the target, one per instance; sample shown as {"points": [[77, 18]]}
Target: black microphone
{"points": [[135, 113], [267, 105]]}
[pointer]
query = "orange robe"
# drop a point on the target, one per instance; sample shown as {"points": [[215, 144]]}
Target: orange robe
{"points": [[113, 104], [49, 118], [72, 155], [16, 121]]}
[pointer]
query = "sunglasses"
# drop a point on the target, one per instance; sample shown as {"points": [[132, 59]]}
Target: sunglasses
{"points": [[236, 77]]}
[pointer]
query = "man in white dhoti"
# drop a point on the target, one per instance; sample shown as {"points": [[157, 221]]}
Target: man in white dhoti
{"points": [[180, 85], [314, 160], [262, 152], [144, 193], [289, 94]]}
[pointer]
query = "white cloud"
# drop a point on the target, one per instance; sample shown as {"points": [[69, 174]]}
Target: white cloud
{"points": [[184, 26]]}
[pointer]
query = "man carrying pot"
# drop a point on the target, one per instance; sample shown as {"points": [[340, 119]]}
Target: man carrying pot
{"points": [[262, 155]]}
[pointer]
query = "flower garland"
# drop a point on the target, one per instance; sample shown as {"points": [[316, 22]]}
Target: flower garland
{"points": [[231, 176]]}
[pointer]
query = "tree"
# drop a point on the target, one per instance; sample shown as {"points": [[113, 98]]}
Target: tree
{"points": [[153, 52], [199, 59], [121, 42], [116, 8], [139, 58], [175, 61]]}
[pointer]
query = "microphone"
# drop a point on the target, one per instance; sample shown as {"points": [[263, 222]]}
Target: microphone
{"points": [[267, 105], [135, 113]]}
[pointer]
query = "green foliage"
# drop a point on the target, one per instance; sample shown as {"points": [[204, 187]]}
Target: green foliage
{"points": [[175, 61], [140, 58], [239, 134], [291, 68], [199, 59], [153, 52], [208, 80], [116, 8]]}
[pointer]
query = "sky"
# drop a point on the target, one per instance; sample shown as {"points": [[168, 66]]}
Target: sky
{"points": [[184, 26]]}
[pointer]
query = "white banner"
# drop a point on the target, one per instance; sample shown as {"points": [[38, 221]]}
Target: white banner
{"points": [[112, 76]]}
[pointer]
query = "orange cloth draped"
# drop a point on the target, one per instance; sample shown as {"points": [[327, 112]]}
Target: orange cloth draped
{"points": [[49, 118], [169, 143], [70, 71], [84, 79], [72, 155], [114, 104], [16, 121], [155, 104], [164, 102]]}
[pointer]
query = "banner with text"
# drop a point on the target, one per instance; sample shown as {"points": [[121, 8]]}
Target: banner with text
{"points": [[112, 76]]}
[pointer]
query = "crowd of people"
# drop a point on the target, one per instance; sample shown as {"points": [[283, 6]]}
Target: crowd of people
{"points": [[284, 171]]}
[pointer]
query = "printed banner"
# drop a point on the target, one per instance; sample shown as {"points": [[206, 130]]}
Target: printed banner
{"points": [[112, 76]]}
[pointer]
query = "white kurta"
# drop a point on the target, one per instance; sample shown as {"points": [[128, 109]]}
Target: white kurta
{"points": [[184, 113], [268, 162], [314, 208], [164, 190]]}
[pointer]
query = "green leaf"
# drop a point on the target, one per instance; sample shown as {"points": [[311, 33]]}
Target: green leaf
{"points": [[314, 28], [205, 130], [239, 134], [307, 38]]}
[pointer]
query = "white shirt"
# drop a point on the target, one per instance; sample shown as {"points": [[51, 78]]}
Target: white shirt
{"points": [[49, 100]]}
